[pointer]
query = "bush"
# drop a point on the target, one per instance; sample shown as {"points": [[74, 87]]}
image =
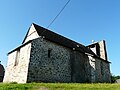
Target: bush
{"points": [[114, 78]]}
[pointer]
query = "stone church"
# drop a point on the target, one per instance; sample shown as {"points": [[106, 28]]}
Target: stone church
{"points": [[45, 56]]}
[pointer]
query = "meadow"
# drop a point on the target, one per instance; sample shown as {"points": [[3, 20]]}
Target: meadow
{"points": [[59, 86]]}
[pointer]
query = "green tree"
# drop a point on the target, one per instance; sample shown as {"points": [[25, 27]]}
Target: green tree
{"points": [[114, 78]]}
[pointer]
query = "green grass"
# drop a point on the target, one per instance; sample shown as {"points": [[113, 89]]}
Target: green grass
{"points": [[59, 86]]}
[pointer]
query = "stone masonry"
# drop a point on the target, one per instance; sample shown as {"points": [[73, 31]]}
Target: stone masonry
{"points": [[53, 68], [45, 56]]}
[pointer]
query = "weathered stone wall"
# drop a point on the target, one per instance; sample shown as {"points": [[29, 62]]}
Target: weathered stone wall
{"points": [[45, 61], [80, 67], [107, 73], [18, 72], [102, 71], [99, 70], [63, 64], [55, 67], [92, 69], [103, 52]]}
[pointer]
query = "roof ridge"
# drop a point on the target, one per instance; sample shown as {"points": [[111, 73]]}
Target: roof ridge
{"points": [[50, 35]]}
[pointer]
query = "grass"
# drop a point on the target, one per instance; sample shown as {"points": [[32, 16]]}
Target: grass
{"points": [[59, 86]]}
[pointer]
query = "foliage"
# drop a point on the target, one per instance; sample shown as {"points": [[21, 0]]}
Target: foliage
{"points": [[59, 86], [114, 78]]}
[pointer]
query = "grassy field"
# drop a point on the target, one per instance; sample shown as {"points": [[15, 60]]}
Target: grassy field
{"points": [[59, 86]]}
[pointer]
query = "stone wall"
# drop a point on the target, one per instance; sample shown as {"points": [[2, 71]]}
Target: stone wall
{"points": [[99, 70], [103, 52], [45, 61], [102, 71], [80, 67], [49, 62], [17, 67], [62, 65], [92, 69]]}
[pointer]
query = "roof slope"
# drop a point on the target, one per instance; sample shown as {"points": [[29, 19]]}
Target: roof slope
{"points": [[54, 37], [61, 40]]}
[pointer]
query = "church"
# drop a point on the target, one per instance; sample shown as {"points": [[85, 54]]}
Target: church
{"points": [[45, 56]]}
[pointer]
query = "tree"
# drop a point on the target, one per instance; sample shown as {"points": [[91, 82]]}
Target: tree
{"points": [[114, 78]]}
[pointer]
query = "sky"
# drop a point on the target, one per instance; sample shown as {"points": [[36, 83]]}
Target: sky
{"points": [[81, 21]]}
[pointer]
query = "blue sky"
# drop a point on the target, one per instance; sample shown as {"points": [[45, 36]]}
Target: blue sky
{"points": [[81, 21]]}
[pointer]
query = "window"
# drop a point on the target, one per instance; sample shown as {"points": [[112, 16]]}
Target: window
{"points": [[17, 57], [49, 52]]}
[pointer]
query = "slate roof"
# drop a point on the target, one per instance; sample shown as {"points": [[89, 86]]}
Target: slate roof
{"points": [[54, 37], [59, 39], [20, 46]]}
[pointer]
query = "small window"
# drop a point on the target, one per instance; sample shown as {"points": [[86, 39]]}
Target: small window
{"points": [[49, 52], [17, 57]]}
